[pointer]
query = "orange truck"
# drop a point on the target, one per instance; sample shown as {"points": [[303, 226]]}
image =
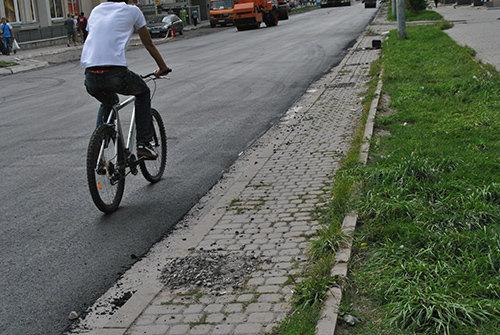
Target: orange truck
{"points": [[249, 14], [221, 12]]}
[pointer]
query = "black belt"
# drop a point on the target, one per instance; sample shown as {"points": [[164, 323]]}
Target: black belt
{"points": [[104, 69]]}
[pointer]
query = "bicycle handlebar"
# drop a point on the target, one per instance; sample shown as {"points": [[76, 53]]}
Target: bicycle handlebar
{"points": [[153, 74]]}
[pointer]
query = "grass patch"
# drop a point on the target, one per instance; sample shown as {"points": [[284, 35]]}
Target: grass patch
{"points": [[7, 64], [301, 322], [428, 253]]}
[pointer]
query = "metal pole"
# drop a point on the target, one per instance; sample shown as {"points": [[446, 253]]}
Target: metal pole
{"points": [[394, 5], [401, 19]]}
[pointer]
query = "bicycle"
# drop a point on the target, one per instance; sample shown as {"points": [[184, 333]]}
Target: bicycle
{"points": [[110, 159]]}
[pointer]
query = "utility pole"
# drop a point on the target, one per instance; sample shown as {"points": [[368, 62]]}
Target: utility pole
{"points": [[401, 19]]}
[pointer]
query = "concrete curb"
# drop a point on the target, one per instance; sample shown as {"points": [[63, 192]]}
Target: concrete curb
{"points": [[328, 320]]}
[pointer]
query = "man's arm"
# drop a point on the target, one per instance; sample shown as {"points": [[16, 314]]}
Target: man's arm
{"points": [[153, 51]]}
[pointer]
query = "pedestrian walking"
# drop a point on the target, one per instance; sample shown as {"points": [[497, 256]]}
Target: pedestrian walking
{"points": [[3, 51], [82, 22], [69, 24], [79, 32], [194, 16], [436, 3], [8, 35], [183, 15]]}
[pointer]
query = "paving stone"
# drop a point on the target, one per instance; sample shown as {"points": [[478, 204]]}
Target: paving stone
{"points": [[272, 298], [268, 289], [256, 281], [200, 330], [170, 319], [179, 330], [192, 318], [194, 309], [261, 318], [223, 329], [236, 318], [213, 308], [233, 308], [248, 328], [215, 318], [259, 307], [245, 297], [148, 330]]}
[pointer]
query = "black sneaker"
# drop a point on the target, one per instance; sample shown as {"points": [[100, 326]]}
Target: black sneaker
{"points": [[146, 150]]}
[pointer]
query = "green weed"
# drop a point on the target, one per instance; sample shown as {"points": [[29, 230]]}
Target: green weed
{"points": [[429, 247], [7, 64]]}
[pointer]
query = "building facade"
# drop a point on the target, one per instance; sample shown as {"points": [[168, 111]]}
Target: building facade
{"points": [[44, 19]]}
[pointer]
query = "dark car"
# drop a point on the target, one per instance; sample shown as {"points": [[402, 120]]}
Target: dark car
{"points": [[161, 26]]}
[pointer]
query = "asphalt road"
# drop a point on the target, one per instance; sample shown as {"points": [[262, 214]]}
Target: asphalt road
{"points": [[58, 252]]}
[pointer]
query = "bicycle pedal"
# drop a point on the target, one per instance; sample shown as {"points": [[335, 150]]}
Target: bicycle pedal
{"points": [[132, 162]]}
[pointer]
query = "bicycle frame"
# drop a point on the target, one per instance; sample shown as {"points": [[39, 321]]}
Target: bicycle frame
{"points": [[118, 125], [114, 119]]}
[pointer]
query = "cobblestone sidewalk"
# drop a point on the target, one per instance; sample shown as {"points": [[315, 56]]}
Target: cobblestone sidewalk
{"points": [[270, 219]]}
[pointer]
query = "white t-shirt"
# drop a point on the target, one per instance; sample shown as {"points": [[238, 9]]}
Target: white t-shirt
{"points": [[110, 26]]}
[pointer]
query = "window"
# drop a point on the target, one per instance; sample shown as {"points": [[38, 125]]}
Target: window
{"points": [[56, 9], [221, 4], [31, 11], [20, 10], [73, 7], [11, 10]]}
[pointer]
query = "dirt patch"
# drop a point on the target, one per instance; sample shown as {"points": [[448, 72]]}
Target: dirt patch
{"points": [[383, 108], [212, 270]]}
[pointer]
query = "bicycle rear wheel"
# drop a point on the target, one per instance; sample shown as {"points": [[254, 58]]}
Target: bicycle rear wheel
{"points": [[105, 177], [153, 170]]}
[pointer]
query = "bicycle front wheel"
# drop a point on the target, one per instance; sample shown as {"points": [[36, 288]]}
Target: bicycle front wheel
{"points": [[105, 173], [153, 170]]}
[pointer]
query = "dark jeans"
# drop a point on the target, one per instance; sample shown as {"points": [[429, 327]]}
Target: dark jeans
{"points": [[8, 43], [85, 33], [105, 86]]}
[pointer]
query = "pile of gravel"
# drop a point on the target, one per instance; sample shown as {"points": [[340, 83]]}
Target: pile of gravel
{"points": [[213, 270]]}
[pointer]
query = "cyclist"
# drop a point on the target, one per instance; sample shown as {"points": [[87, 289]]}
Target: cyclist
{"points": [[110, 26]]}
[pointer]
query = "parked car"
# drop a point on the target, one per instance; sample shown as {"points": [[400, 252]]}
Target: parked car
{"points": [[161, 26]]}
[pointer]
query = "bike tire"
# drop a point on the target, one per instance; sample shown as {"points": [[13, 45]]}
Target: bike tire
{"points": [[153, 170], [106, 180]]}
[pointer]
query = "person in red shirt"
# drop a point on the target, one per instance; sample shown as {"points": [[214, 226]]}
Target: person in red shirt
{"points": [[82, 23]]}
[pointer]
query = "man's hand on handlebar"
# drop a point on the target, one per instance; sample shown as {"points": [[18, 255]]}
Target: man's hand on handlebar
{"points": [[162, 72]]}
